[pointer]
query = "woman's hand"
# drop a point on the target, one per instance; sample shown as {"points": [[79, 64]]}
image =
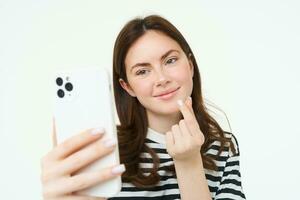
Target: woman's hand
{"points": [[59, 181], [185, 139]]}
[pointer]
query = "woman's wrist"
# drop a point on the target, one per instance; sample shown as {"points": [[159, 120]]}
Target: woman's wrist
{"points": [[190, 163]]}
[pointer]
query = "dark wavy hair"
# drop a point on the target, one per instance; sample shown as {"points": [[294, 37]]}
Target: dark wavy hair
{"points": [[133, 126]]}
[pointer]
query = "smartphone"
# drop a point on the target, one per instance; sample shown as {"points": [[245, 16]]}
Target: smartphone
{"points": [[83, 99]]}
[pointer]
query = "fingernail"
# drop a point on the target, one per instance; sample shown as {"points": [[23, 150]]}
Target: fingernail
{"points": [[179, 102], [97, 131], [109, 142], [118, 169]]}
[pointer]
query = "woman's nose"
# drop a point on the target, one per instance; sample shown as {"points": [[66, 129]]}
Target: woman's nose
{"points": [[162, 80]]}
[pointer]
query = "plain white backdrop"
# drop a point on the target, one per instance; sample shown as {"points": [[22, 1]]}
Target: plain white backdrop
{"points": [[248, 56]]}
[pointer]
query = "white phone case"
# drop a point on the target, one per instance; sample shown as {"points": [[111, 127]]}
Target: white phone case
{"points": [[87, 104]]}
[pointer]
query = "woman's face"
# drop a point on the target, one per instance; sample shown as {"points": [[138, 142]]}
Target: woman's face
{"points": [[158, 73]]}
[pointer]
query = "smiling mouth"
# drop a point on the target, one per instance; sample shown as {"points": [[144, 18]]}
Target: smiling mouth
{"points": [[168, 95]]}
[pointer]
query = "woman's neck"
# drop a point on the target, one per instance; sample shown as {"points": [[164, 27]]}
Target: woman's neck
{"points": [[162, 123]]}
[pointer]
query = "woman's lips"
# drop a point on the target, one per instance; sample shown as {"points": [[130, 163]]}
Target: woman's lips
{"points": [[168, 95]]}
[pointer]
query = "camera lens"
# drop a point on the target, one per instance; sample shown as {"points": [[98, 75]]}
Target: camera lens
{"points": [[69, 86], [59, 81], [60, 93]]}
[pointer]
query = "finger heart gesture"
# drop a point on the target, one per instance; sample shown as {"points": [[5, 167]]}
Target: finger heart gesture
{"points": [[185, 139]]}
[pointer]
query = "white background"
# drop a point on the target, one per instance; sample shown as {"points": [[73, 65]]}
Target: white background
{"points": [[247, 52]]}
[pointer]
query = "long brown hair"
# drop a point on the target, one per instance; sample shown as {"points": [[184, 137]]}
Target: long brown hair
{"points": [[133, 126]]}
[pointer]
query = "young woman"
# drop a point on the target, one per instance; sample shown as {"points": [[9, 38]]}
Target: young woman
{"points": [[171, 147]]}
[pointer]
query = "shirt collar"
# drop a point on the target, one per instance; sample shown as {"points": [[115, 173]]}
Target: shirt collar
{"points": [[156, 136]]}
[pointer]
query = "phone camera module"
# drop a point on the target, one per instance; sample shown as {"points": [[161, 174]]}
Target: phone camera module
{"points": [[69, 86], [60, 93], [59, 81]]}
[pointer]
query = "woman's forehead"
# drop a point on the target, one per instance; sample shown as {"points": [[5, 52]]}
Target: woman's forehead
{"points": [[152, 45]]}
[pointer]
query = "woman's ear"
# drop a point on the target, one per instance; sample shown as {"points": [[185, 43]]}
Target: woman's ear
{"points": [[127, 87]]}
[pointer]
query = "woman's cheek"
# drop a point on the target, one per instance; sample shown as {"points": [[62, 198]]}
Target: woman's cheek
{"points": [[179, 76], [143, 89]]}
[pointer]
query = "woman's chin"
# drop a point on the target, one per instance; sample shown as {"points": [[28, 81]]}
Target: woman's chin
{"points": [[169, 110]]}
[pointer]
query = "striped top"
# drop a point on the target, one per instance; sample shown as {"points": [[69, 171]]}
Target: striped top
{"points": [[225, 183]]}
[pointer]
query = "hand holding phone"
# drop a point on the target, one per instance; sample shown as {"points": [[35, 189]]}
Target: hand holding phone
{"points": [[83, 99], [61, 163]]}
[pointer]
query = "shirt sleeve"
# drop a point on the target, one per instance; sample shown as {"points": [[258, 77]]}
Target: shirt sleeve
{"points": [[230, 187]]}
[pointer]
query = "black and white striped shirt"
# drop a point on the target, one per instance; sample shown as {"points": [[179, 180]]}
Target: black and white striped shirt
{"points": [[225, 183]]}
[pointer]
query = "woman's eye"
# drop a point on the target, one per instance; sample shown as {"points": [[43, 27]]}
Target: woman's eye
{"points": [[171, 60], [141, 72]]}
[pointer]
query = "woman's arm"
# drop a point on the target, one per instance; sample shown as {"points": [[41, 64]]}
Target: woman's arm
{"points": [[184, 142], [191, 179]]}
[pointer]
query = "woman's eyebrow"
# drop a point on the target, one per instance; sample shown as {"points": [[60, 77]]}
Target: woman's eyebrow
{"points": [[162, 57], [167, 53]]}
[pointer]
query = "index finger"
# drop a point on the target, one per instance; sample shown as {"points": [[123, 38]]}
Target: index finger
{"points": [[76, 142], [188, 116]]}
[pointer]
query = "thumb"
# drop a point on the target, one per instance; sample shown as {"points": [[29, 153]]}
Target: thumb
{"points": [[54, 139]]}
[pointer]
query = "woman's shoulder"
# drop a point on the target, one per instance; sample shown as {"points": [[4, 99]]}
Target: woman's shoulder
{"points": [[230, 148], [234, 150]]}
